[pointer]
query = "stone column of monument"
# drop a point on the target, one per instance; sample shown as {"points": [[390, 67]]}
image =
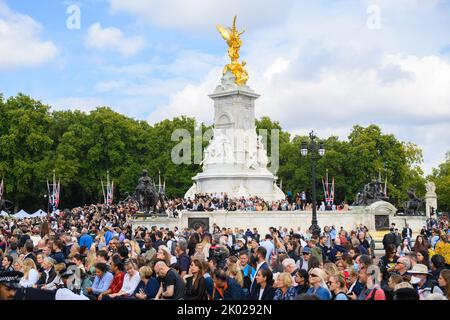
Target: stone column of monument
{"points": [[235, 161], [430, 197]]}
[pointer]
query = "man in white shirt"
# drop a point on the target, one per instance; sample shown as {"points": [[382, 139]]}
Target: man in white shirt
{"points": [[268, 245]]}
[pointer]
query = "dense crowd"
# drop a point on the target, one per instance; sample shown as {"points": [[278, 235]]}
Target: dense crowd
{"points": [[92, 253], [221, 201]]}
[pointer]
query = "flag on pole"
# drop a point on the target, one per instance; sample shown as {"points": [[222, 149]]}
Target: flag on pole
{"points": [[109, 195], [385, 187], [54, 191], [328, 190], [110, 192]]}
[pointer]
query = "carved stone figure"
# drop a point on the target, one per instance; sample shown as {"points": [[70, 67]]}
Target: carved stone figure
{"points": [[261, 151], [233, 38], [413, 205], [371, 193], [430, 187], [147, 196]]}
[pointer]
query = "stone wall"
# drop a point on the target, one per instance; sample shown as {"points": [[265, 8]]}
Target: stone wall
{"points": [[290, 219]]}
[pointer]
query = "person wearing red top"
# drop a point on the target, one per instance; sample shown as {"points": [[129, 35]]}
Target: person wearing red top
{"points": [[117, 268], [371, 276]]}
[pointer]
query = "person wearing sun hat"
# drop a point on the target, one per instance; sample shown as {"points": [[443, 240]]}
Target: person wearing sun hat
{"points": [[421, 282]]}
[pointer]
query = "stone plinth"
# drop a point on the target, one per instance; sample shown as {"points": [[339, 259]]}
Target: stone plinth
{"points": [[289, 219], [430, 197]]}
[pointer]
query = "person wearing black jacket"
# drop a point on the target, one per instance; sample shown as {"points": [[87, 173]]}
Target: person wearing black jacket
{"points": [[389, 238], [29, 247], [263, 290], [195, 282], [407, 233], [48, 274]]}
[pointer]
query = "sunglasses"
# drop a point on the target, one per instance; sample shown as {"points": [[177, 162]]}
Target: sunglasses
{"points": [[313, 275]]}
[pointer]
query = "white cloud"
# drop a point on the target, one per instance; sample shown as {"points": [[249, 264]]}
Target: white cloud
{"points": [[113, 39], [203, 15], [85, 104], [318, 66], [20, 41]]}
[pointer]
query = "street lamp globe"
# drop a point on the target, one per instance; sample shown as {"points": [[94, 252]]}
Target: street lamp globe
{"points": [[321, 149], [304, 149]]}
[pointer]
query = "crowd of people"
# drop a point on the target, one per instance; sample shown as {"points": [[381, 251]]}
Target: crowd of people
{"points": [[92, 253], [221, 201]]}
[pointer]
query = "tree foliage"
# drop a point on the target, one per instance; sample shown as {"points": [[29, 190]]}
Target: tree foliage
{"points": [[82, 147]]}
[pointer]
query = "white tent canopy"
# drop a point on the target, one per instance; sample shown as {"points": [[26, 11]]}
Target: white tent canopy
{"points": [[39, 213], [22, 214], [3, 214]]}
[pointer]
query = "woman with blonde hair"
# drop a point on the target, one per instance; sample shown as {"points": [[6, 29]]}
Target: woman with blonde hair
{"points": [[234, 271], [318, 284], [30, 273], [164, 254], [284, 287], [205, 245], [331, 269]]}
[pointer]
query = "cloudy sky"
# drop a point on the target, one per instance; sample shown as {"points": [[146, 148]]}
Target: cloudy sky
{"points": [[322, 65]]}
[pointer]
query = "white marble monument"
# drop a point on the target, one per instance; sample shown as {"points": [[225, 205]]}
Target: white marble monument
{"points": [[235, 161], [430, 197]]}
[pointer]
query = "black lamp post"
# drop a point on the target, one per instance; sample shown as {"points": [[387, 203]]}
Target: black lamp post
{"points": [[312, 148]]}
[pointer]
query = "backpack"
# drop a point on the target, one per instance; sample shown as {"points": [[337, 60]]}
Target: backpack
{"points": [[372, 293], [247, 278]]}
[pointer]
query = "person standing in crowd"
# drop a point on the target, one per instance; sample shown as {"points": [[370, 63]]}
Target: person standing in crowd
{"points": [[248, 272], [442, 247], [407, 233], [388, 261], [183, 260], [403, 249], [389, 238], [268, 245], [302, 281]]}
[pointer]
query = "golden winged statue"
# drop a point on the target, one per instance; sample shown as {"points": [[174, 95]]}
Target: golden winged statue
{"points": [[232, 37]]}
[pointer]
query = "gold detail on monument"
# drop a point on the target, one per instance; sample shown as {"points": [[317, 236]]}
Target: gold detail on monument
{"points": [[233, 38]]}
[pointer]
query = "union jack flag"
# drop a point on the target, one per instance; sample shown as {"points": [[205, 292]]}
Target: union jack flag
{"points": [[109, 195], [54, 191], [328, 190]]}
